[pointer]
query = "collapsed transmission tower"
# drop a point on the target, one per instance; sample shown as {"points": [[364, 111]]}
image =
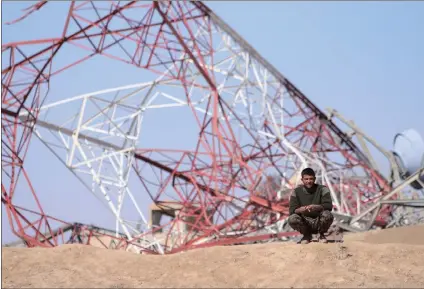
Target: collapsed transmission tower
{"points": [[238, 120]]}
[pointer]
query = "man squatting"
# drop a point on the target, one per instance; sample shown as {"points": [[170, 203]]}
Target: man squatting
{"points": [[310, 208]]}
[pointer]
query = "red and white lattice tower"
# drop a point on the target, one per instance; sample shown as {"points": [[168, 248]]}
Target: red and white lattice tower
{"points": [[241, 120]]}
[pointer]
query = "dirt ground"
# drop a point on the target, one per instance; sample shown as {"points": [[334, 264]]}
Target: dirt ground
{"points": [[391, 258]]}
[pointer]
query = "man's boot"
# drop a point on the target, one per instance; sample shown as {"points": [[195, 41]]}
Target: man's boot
{"points": [[322, 238], [306, 239]]}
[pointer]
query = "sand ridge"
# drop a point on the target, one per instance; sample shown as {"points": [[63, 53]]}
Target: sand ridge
{"points": [[365, 260]]}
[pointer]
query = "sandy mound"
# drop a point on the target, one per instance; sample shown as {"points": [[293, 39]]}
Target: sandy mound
{"points": [[413, 235], [390, 258]]}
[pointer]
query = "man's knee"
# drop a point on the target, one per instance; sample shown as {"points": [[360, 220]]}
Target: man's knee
{"points": [[295, 220], [327, 217]]}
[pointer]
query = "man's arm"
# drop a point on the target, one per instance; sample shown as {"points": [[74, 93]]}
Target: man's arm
{"points": [[294, 204], [326, 201]]}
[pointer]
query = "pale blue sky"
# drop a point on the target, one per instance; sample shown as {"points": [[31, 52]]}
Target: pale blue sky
{"points": [[365, 59]]}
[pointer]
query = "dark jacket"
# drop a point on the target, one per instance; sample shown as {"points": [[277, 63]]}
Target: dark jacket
{"points": [[301, 197]]}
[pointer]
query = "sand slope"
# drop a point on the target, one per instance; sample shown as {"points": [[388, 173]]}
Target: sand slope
{"points": [[374, 259]]}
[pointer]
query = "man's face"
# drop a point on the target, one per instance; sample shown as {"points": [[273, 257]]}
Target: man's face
{"points": [[308, 181]]}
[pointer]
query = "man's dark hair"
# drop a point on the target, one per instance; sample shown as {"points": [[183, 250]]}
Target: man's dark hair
{"points": [[308, 172]]}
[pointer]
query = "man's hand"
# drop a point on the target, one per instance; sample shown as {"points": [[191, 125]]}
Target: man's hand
{"points": [[315, 208], [301, 210], [309, 209]]}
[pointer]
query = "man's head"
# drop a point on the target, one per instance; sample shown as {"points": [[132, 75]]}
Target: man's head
{"points": [[308, 178]]}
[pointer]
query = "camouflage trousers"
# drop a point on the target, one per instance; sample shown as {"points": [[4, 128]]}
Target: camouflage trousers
{"points": [[308, 226]]}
